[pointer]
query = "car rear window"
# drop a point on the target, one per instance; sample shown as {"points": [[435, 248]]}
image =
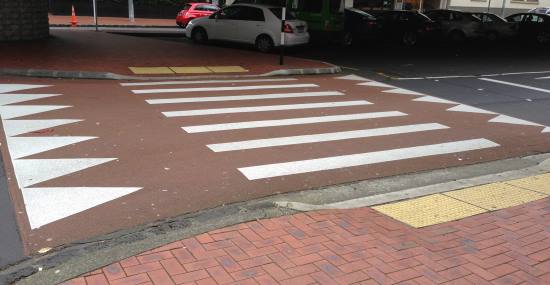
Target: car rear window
{"points": [[279, 11], [211, 8]]}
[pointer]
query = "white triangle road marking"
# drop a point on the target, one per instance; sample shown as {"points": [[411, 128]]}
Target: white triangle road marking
{"points": [[18, 127], [376, 84], [546, 130], [5, 88], [24, 146], [10, 112], [433, 99], [6, 99], [403, 91], [32, 171], [353, 77], [511, 120], [368, 158], [47, 205], [469, 109]]}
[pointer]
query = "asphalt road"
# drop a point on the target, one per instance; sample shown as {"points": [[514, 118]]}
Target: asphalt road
{"points": [[454, 73]]}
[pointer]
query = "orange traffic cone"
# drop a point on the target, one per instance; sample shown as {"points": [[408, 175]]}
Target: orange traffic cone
{"points": [[74, 20]]}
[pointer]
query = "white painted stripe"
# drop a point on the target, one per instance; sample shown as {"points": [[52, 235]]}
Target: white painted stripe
{"points": [[403, 91], [182, 82], [469, 109], [433, 99], [516, 85], [24, 146], [546, 130], [223, 88], [265, 108], [376, 84], [50, 204], [18, 127], [335, 162], [290, 122], [10, 112], [352, 77], [511, 120], [6, 99], [5, 88], [243, 97], [293, 140], [32, 171]]}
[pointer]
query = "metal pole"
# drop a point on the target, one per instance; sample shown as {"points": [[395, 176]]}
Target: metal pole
{"points": [[95, 14], [489, 7], [503, 8], [283, 19], [131, 10]]}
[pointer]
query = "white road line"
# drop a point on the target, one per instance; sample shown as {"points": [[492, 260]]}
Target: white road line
{"points": [[243, 97], [475, 76], [182, 82], [335, 162], [265, 108], [5, 88], [516, 85], [293, 140], [290, 122], [223, 88]]}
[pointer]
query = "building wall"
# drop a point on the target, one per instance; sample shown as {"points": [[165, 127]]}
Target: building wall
{"points": [[23, 19], [512, 6]]}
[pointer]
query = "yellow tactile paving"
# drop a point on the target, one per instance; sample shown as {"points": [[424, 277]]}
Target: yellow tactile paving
{"points": [[151, 70], [190, 69], [227, 69], [429, 210], [538, 183], [495, 196]]}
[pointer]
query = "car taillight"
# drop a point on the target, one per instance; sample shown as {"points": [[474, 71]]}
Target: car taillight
{"points": [[288, 29]]}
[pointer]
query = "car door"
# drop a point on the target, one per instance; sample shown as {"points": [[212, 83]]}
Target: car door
{"points": [[224, 24], [250, 24]]}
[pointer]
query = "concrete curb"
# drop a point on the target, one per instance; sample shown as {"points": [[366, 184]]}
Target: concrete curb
{"points": [[332, 69], [79, 258]]}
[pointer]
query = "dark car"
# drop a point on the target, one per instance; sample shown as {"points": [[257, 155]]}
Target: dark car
{"points": [[406, 27], [457, 26], [495, 27], [532, 26], [359, 26]]}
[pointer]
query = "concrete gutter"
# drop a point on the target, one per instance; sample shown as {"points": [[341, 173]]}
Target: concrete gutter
{"points": [[78, 258], [332, 69]]}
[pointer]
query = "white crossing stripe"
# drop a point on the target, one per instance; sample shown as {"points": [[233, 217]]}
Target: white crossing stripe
{"points": [[243, 97], [469, 109], [265, 108], [515, 85], [352, 77], [289, 122], [335, 162], [293, 140], [223, 88], [376, 84], [24, 146], [181, 82], [403, 91]]}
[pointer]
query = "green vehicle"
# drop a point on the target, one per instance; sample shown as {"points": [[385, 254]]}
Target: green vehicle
{"points": [[325, 18]]}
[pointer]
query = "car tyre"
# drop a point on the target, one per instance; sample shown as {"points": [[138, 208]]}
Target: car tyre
{"points": [[199, 35], [543, 38], [410, 39], [264, 43]]}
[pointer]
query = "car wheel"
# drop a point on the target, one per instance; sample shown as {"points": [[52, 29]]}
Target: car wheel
{"points": [[410, 39], [492, 36], [543, 38], [457, 36], [264, 43], [199, 35], [348, 39]]}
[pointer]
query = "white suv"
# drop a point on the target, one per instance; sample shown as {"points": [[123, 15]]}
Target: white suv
{"points": [[259, 25]]}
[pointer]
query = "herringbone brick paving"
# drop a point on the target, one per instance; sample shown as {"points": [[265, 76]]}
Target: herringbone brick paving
{"points": [[357, 246]]}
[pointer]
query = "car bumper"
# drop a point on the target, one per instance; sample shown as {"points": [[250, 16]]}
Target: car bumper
{"points": [[295, 39]]}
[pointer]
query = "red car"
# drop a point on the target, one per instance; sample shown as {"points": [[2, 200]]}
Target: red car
{"points": [[195, 10]]}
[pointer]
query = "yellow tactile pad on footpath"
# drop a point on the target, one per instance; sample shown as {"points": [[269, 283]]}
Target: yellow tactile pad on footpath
{"points": [[429, 210], [227, 69], [151, 70], [495, 196], [190, 69], [538, 183]]}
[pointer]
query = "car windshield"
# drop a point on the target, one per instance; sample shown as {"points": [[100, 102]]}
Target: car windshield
{"points": [[278, 12]]}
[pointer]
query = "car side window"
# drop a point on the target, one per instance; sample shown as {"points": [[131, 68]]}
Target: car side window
{"points": [[231, 13], [253, 14], [516, 18]]}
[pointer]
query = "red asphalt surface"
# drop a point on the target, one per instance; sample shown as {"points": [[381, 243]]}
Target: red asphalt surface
{"points": [[358, 246], [179, 174], [103, 52]]}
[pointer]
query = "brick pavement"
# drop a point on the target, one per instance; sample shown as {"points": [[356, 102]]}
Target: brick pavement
{"points": [[357, 246]]}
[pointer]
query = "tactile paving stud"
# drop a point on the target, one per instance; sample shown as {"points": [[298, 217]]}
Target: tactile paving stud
{"points": [[227, 69], [190, 69], [429, 210], [151, 70], [495, 196], [538, 183]]}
